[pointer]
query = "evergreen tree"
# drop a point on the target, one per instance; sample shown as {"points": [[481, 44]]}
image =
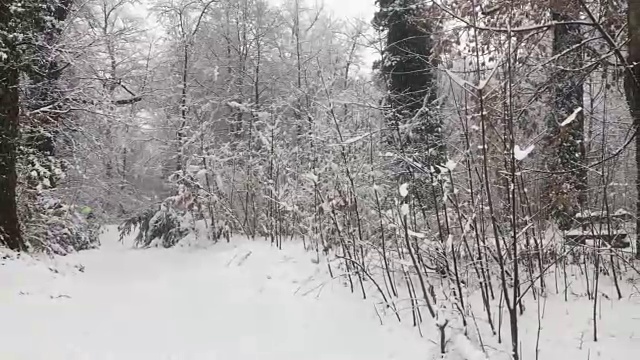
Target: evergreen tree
{"points": [[43, 95], [19, 23]]}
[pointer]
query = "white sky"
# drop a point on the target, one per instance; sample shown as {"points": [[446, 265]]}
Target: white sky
{"points": [[352, 8], [363, 9], [360, 9]]}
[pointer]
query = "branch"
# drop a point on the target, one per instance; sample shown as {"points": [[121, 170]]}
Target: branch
{"points": [[204, 11], [129, 101], [514, 30]]}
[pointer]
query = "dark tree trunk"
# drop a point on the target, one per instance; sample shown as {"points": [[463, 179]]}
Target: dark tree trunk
{"points": [[414, 125], [9, 111], [409, 71], [567, 191], [632, 87]]}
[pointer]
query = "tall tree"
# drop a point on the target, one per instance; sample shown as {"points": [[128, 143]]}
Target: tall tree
{"points": [[567, 192], [43, 96], [20, 22], [42, 91], [186, 18], [632, 87], [408, 68], [9, 111]]}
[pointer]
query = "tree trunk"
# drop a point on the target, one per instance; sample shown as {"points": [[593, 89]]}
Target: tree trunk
{"points": [[9, 112], [411, 81], [180, 163], [408, 69], [632, 89], [568, 191]]}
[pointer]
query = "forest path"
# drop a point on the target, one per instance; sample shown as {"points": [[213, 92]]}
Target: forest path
{"points": [[244, 300]]}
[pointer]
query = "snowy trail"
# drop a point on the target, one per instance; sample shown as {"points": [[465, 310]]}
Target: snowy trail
{"points": [[235, 301]]}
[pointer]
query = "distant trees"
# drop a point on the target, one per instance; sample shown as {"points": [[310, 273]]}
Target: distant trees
{"points": [[241, 115], [110, 60]]}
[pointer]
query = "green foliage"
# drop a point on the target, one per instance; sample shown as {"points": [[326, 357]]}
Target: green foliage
{"points": [[141, 221], [37, 168], [27, 23], [52, 226], [50, 223], [164, 224], [18, 32], [24, 27]]}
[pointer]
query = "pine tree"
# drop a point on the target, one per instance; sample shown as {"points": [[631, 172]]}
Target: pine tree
{"points": [[19, 23], [42, 93]]}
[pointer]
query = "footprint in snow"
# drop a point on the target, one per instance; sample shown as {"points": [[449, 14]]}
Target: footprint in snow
{"points": [[61, 296]]}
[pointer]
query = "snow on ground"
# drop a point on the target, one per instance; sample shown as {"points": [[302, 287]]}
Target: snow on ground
{"points": [[248, 300], [566, 328], [244, 300]]}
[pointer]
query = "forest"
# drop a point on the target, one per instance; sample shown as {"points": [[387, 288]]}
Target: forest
{"points": [[457, 162]]}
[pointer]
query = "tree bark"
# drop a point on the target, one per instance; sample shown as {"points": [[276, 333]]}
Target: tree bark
{"points": [[568, 191], [9, 115], [409, 72], [632, 90]]}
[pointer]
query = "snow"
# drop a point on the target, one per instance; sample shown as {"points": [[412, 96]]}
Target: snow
{"points": [[404, 190], [416, 234], [521, 154], [354, 139], [450, 165], [466, 349], [458, 80], [240, 107], [571, 117], [248, 300], [244, 300], [311, 176], [604, 214]]}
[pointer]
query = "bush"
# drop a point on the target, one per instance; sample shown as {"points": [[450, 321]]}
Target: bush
{"points": [[52, 226], [50, 223], [164, 224]]}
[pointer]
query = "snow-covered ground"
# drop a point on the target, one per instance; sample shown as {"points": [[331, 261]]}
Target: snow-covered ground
{"points": [[243, 300], [247, 300]]}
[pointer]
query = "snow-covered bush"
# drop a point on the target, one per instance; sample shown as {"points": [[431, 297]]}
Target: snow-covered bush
{"points": [[176, 216], [55, 227], [164, 224], [49, 222], [60, 228]]}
